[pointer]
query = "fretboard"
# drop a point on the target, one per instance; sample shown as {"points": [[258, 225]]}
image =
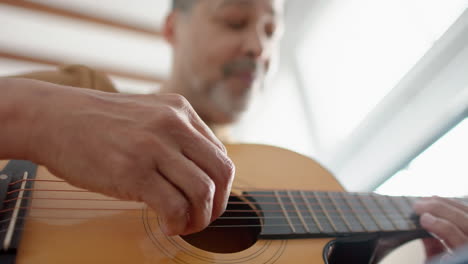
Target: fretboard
{"points": [[297, 214]]}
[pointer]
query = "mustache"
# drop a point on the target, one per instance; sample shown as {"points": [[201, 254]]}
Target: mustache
{"points": [[239, 66]]}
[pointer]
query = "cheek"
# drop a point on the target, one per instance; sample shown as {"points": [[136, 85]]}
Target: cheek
{"points": [[217, 51]]}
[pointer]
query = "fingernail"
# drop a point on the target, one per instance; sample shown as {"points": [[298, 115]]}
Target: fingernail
{"points": [[186, 225], [427, 220], [166, 229]]}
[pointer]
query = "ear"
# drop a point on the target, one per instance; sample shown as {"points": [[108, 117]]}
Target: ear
{"points": [[168, 30]]}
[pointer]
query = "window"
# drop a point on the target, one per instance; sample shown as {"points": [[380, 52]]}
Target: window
{"points": [[442, 169], [354, 52]]}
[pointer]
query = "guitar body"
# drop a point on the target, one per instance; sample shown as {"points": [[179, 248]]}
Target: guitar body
{"points": [[111, 231]]}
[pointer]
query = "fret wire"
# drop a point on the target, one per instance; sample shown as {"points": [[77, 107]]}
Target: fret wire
{"points": [[374, 213], [368, 211], [311, 212], [354, 222], [384, 212], [298, 212], [366, 224], [301, 205], [335, 222], [410, 200], [284, 212], [292, 212], [396, 202], [325, 212], [390, 211], [321, 215], [405, 205], [353, 211], [339, 211]]}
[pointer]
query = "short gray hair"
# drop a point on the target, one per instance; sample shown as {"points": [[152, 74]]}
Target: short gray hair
{"points": [[183, 5]]}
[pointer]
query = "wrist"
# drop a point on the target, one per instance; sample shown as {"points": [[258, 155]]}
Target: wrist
{"points": [[11, 115], [25, 114]]}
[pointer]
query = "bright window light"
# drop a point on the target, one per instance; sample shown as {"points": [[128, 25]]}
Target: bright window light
{"points": [[354, 52], [440, 170]]}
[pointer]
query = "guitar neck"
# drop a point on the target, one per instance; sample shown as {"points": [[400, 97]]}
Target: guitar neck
{"points": [[297, 214]]}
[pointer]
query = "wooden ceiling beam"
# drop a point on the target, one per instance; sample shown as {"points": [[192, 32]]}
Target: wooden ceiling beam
{"points": [[51, 62], [37, 7]]}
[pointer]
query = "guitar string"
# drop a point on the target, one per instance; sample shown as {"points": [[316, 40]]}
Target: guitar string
{"points": [[31, 208], [316, 207], [313, 194], [337, 211], [265, 218], [62, 181], [292, 203], [348, 195], [246, 188], [225, 226], [306, 203], [307, 194], [465, 198], [35, 180], [407, 218], [136, 217], [289, 195], [109, 222]]}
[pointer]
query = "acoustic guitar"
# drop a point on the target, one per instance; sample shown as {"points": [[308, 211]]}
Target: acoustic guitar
{"points": [[284, 208]]}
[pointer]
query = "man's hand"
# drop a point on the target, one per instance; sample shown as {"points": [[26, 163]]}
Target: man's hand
{"points": [[151, 148], [447, 219]]}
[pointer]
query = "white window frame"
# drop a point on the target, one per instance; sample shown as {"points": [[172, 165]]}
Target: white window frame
{"points": [[426, 103]]}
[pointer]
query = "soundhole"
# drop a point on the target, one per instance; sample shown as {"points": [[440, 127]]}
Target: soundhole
{"points": [[234, 231]]}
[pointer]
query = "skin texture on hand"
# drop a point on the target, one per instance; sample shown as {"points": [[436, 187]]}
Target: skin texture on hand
{"points": [[150, 148], [447, 219]]}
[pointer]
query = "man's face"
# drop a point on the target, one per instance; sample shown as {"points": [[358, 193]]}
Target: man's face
{"points": [[222, 50]]}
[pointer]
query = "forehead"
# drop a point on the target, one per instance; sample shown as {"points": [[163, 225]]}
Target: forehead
{"points": [[273, 7]]}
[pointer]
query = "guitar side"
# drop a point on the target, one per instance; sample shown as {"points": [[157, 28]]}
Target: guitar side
{"points": [[127, 232]]}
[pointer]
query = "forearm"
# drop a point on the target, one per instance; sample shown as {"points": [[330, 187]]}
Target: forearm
{"points": [[21, 116], [151, 148]]}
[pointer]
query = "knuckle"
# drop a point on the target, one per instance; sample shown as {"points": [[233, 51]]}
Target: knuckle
{"points": [[446, 228], [176, 100], [168, 116], [438, 200], [176, 208], [124, 188], [142, 142], [205, 192], [228, 176], [227, 172], [231, 169], [434, 205], [123, 164]]}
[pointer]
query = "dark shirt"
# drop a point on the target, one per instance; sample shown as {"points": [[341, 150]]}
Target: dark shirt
{"points": [[460, 256]]}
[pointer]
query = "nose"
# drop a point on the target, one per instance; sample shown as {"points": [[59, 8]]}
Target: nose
{"points": [[254, 44]]}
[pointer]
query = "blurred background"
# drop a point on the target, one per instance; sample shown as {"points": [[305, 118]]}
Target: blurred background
{"points": [[375, 90]]}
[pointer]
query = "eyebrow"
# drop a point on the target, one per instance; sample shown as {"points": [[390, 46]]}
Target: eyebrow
{"points": [[241, 2]]}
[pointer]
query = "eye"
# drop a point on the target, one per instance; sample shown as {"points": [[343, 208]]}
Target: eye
{"points": [[270, 30], [236, 24]]}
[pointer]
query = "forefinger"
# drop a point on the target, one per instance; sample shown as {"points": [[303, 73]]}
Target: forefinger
{"points": [[441, 208]]}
